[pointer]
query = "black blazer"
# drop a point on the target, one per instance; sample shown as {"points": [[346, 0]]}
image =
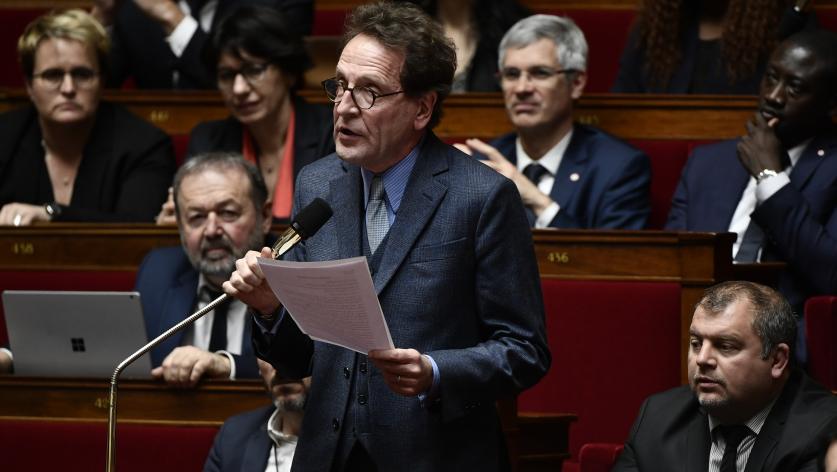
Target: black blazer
{"points": [[139, 48], [124, 174], [313, 137], [672, 431], [242, 444]]}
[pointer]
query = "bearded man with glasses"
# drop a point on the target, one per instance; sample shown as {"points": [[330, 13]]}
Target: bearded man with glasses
{"points": [[451, 258], [569, 175], [70, 156]]}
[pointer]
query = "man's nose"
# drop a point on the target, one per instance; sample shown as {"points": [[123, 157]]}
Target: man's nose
{"points": [[524, 83], [776, 94], [212, 226], [705, 356], [347, 104]]}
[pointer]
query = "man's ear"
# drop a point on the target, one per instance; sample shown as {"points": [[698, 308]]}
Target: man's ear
{"points": [[577, 85], [779, 359], [267, 216], [425, 110]]}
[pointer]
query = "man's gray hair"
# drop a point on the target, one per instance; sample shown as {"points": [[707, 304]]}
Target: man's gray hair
{"points": [[567, 36], [223, 161]]}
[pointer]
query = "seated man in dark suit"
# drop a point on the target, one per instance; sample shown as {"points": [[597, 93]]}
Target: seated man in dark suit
{"points": [[569, 175], [746, 405], [263, 439], [777, 185], [222, 212], [159, 43]]}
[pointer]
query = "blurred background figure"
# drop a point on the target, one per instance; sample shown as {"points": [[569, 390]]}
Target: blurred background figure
{"points": [[158, 43], [264, 439], [259, 64], [70, 156], [476, 29], [701, 47]]}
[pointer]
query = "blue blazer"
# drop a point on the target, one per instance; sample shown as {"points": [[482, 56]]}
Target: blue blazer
{"points": [[800, 220], [671, 432], [613, 189], [168, 286], [458, 281], [242, 443]]}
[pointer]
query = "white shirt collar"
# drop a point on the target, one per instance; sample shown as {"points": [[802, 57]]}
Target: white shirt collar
{"points": [[550, 161]]}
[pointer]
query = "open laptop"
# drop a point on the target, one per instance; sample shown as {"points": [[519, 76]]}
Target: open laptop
{"points": [[75, 334]]}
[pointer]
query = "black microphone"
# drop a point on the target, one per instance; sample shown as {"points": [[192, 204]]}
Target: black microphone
{"points": [[794, 20], [308, 221]]}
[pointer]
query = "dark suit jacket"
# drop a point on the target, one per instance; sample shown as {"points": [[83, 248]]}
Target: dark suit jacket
{"points": [[168, 286], [242, 444], [139, 49], [671, 432], [800, 220], [124, 176], [614, 183], [457, 281], [313, 136]]}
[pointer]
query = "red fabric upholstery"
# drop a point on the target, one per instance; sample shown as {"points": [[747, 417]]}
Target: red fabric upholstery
{"points": [[35, 445], [667, 161], [606, 32], [612, 344], [821, 333], [598, 457], [13, 23], [329, 22], [181, 145], [62, 280]]}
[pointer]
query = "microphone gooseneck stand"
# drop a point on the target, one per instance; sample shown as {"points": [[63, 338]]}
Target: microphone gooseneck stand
{"points": [[308, 222]]}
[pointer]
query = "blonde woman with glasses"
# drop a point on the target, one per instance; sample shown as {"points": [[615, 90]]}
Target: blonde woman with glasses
{"points": [[69, 156]]}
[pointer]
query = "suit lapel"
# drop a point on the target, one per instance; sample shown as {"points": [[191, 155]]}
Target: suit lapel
{"points": [[178, 302], [731, 180], [347, 193], [574, 161], [810, 159], [698, 444], [421, 198], [257, 450]]}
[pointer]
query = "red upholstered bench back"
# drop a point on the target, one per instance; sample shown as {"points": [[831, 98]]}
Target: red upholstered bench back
{"points": [[612, 344], [821, 333], [35, 445], [62, 280]]}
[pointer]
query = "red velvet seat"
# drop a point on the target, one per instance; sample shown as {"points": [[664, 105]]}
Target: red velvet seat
{"points": [[821, 332], [35, 445], [613, 344]]}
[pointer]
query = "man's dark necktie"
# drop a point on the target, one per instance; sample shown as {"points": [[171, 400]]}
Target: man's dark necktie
{"points": [[377, 224], [753, 238], [733, 435], [535, 172], [218, 338]]}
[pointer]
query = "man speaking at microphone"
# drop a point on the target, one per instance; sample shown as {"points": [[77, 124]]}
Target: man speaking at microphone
{"points": [[451, 257]]}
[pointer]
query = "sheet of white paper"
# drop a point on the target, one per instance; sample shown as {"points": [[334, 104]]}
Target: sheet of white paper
{"points": [[332, 301]]}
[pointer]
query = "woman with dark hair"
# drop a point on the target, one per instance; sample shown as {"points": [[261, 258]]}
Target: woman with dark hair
{"points": [[476, 29], [259, 62], [708, 46]]}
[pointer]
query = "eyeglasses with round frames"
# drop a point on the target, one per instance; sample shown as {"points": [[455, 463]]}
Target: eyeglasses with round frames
{"points": [[535, 74], [82, 77], [363, 97], [250, 71]]}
